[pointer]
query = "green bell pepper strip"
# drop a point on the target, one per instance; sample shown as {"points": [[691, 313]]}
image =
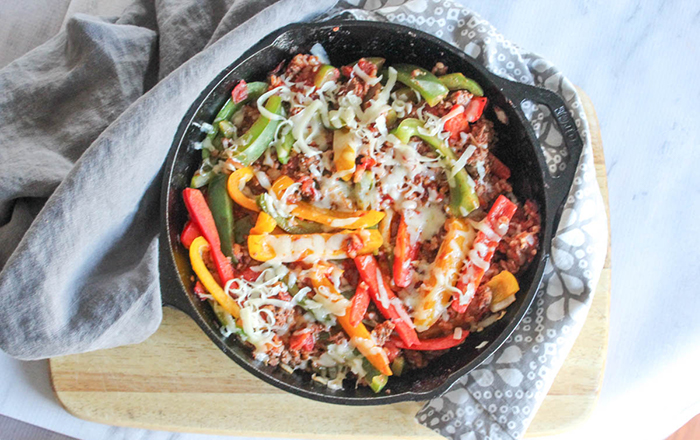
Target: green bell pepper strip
{"points": [[255, 141], [288, 224], [242, 228], [376, 380], [285, 147], [422, 81], [221, 207], [199, 180], [255, 89], [325, 73], [463, 198], [457, 81], [398, 365]]}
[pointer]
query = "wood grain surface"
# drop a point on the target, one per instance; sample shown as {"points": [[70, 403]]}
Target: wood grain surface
{"points": [[178, 380]]}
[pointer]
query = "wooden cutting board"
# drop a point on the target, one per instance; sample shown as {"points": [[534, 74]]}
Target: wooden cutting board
{"points": [[178, 380]]}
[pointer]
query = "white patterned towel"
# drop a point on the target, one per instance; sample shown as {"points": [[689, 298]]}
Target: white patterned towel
{"points": [[499, 399]]}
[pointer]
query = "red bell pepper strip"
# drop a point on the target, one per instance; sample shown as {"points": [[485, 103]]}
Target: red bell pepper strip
{"points": [[456, 125], [492, 229], [199, 289], [475, 108], [240, 92], [442, 343], [189, 233], [302, 340], [201, 216], [393, 308], [405, 252], [359, 304]]}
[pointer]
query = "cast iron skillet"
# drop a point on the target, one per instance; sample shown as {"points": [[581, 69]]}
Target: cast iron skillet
{"points": [[345, 42]]}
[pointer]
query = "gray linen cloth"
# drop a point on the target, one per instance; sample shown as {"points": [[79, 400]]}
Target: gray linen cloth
{"points": [[87, 119]]}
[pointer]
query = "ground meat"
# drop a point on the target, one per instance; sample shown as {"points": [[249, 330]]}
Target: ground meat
{"points": [[302, 68], [520, 244], [356, 86], [298, 166], [439, 69], [483, 132], [382, 332], [479, 305], [246, 117], [415, 359], [459, 97]]}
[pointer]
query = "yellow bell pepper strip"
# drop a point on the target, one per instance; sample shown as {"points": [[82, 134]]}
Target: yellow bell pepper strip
{"points": [[324, 74], [388, 304], [345, 146], [257, 139], [264, 225], [288, 248], [422, 81], [503, 288], [198, 246], [236, 182], [334, 219], [437, 291], [463, 198], [457, 81], [201, 215], [360, 337], [492, 229], [288, 224]]}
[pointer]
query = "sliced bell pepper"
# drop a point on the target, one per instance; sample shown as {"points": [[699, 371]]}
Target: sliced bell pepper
{"points": [[457, 81], [457, 124], [240, 92], [255, 141], [492, 229], [324, 74], [360, 337], [463, 198], [359, 304], [221, 207], [253, 91], [405, 251], [284, 148], [287, 248], [475, 108], [436, 292], [388, 304], [503, 288], [288, 224], [422, 81], [202, 217], [302, 340], [242, 229], [378, 63], [334, 219], [198, 246], [236, 182], [434, 344], [189, 233], [345, 146], [264, 224]]}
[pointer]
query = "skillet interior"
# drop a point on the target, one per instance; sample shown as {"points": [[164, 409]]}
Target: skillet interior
{"points": [[346, 42]]}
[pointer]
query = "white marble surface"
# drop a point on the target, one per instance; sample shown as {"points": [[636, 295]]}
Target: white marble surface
{"points": [[639, 62]]}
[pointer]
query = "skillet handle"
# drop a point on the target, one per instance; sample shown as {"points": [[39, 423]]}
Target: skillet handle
{"points": [[556, 188], [170, 288]]}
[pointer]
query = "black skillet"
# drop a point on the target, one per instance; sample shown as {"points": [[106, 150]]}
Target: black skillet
{"points": [[345, 42]]}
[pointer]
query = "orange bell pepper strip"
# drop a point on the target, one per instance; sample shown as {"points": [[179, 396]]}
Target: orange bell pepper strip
{"points": [[345, 146], [198, 246], [287, 248], [201, 215], [493, 227], [405, 252], [360, 337], [334, 219], [235, 184], [503, 288], [264, 224], [388, 304], [437, 290]]}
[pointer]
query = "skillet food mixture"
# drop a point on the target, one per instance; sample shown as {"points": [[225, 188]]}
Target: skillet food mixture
{"points": [[353, 222]]}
